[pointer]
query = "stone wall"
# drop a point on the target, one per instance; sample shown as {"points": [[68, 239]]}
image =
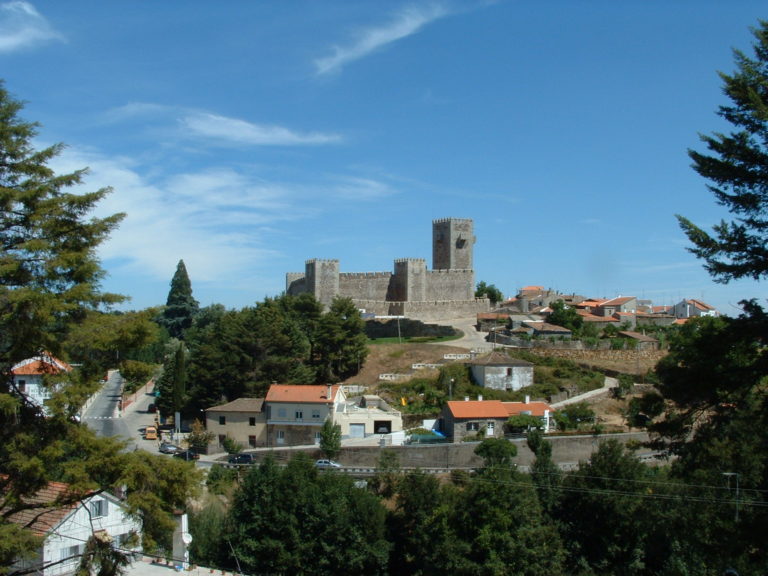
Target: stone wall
{"points": [[450, 285], [566, 450], [365, 285], [628, 358]]}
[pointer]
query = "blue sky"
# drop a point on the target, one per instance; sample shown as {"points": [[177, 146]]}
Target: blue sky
{"points": [[247, 137]]}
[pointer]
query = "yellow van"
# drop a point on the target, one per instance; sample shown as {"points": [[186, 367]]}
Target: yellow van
{"points": [[150, 433]]}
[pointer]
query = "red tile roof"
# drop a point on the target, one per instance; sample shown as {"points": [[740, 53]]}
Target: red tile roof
{"points": [[477, 409], [43, 518], [297, 393], [535, 408], [43, 364]]}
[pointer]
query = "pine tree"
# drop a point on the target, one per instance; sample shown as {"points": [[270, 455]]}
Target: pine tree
{"points": [[738, 172], [181, 307]]}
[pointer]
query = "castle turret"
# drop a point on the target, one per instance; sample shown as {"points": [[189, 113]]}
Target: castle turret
{"points": [[322, 280], [453, 242]]}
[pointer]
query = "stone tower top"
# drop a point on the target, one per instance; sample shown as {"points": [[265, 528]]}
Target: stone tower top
{"points": [[453, 240]]}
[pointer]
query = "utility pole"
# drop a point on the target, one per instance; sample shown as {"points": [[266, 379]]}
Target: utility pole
{"points": [[728, 475]]}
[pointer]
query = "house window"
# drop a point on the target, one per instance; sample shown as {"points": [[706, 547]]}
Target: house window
{"points": [[22, 385], [222, 420], [489, 426], [509, 371], [252, 441], [473, 426], [252, 421], [98, 508], [71, 553], [281, 412], [299, 414], [316, 414]]}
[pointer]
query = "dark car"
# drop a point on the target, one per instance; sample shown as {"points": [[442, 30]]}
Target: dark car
{"points": [[187, 455], [169, 448], [152, 408], [241, 459]]}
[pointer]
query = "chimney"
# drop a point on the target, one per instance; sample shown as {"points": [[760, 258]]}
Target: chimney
{"points": [[466, 398], [329, 392], [480, 398], [527, 399]]}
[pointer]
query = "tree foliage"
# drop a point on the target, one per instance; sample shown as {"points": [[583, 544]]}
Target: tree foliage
{"points": [[330, 439], [483, 290], [565, 316], [736, 169], [181, 307], [298, 521], [49, 298]]}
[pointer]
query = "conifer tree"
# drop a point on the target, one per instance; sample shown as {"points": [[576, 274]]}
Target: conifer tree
{"points": [[737, 170], [181, 307]]}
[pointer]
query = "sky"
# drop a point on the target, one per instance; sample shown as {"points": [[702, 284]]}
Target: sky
{"points": [[245, 138]]}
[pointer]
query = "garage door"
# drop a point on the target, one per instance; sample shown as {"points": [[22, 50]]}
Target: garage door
{"points": [[357, 430]]}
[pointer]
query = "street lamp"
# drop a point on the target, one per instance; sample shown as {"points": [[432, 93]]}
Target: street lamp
{"points": [[728, 475]]}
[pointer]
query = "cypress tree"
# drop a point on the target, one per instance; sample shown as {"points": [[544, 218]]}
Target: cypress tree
{"points": [[181, 307]]}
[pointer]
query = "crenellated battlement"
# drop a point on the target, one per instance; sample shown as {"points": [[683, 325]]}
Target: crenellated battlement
{"points": [[411, 289]]}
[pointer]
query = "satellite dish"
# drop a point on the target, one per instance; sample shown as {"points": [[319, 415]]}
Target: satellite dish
{"points": [[186, 537]]}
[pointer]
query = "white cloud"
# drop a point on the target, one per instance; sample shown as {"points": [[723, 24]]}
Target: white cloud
{"points": [[242, 132], [22, 26], [219, 220], [408, 22]]}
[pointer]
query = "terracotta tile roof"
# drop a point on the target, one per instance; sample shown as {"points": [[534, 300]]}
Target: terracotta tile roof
{"points": [[637, 336], [492, 316], [47, 516], [477, 409], [535, 408], [546, 327], [240, 405], [587, 317], [617, 301], [532, 289], [43, 364], [301, 393], [497, 358], [701, 305]]}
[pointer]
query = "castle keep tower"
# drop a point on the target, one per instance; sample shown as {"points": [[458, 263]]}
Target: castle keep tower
{"points": [[452, 243]]}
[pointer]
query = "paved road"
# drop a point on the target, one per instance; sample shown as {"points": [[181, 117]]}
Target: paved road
{"points": [[106, 418]]}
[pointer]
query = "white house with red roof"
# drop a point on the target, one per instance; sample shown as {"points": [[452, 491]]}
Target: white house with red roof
{"points": [[536, 408], [693, 309], [32, 377], [66, 521], [296, 413]]}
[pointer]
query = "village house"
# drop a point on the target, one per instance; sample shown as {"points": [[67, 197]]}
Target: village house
{"points": [[243, 420], [66, 528], [693, 309], [539, 409], [459, 419], [499, 371], [33, 378]]}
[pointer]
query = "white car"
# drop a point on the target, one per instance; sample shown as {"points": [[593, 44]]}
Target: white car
{"points": [[327, 464]]}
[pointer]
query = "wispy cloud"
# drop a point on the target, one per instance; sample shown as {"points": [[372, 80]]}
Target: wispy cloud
{"points": [[22, 26], [242, 132], [222, 222], [406, 23]]}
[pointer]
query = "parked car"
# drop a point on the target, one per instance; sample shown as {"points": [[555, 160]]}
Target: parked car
{"points": [[187, 455], [327, 464], [169, 448], [241, 459], [150, 433], [152, 408]]}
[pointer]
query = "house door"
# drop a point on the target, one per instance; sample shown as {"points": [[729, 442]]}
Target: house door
{"points": [[357, 430]]}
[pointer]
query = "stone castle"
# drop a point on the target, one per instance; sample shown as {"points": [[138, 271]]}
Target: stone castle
{"points": [[446, 291]]}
